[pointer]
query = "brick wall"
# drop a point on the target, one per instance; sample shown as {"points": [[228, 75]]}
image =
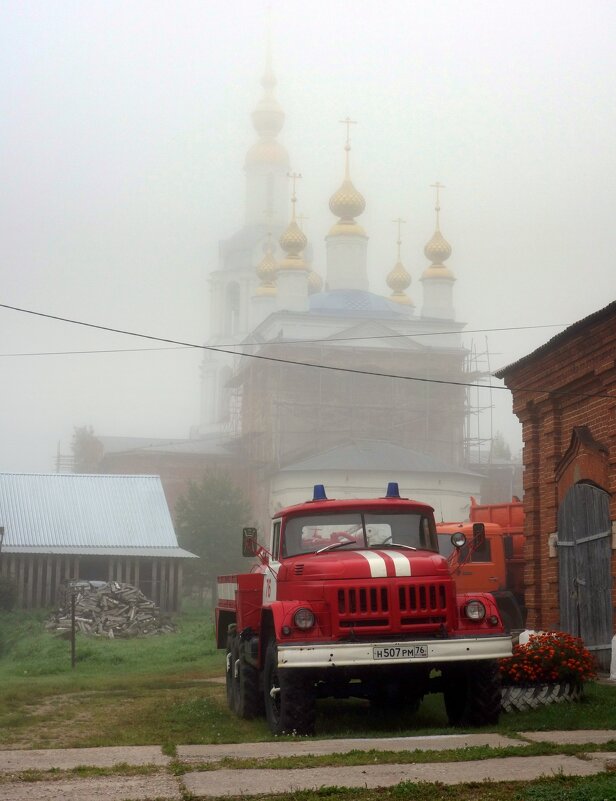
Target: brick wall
{"points": [[568, 383]]}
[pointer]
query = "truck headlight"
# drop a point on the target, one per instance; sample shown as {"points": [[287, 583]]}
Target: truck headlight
{"points": [[304, 618], [475, 610]]}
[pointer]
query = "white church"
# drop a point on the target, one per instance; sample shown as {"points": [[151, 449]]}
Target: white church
{"points": [[334, 384]]}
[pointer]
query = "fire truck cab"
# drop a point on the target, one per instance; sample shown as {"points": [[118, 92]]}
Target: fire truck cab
{"points": [[352, 598]]}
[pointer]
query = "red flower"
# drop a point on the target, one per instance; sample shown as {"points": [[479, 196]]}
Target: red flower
{"points": [[547, 657]]}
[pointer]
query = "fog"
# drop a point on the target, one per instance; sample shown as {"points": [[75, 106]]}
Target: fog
{"points": [[124, 130]]}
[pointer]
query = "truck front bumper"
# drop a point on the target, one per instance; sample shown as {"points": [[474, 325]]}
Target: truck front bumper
{"points": [[332, 655]]}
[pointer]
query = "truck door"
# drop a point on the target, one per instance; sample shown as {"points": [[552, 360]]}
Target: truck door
{"points": [[270, 578], [485, 569]]}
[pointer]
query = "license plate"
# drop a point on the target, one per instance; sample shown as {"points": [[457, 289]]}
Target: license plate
{"points": [[400, 652]]}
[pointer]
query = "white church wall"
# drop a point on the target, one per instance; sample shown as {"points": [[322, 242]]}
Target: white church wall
{"points": [[449, 494]]}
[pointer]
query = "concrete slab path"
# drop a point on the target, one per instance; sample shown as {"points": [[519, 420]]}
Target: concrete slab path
{"points": [[579, 737], [288, 748], [68, 758], [161, 785], [254, 782], [104, 788]]}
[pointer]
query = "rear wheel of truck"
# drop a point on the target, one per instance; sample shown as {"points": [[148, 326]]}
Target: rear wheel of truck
{"points": [[472, 693], [229, 671], [248, 699], [289, 697]]}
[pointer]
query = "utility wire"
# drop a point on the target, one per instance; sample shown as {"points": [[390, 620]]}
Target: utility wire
{"points": [[217, 349]]}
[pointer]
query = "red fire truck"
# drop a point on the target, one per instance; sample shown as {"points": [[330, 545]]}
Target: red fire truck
{"points": [[352, 599]]}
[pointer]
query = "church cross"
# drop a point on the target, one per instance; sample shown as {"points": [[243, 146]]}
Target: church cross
{"points": [[294, 176], [348, 122], [399, 222], [437, 186]]}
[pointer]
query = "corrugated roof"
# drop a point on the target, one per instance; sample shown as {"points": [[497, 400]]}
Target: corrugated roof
{"points": [[79, 513]]}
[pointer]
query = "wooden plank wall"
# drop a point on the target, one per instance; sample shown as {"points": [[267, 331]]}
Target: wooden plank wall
{"points": [[39, 576]]}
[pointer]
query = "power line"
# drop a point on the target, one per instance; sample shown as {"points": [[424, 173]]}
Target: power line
{"points": [[89, 352], [219, 349]]}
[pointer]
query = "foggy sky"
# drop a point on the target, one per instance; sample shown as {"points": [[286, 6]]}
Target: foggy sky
{"points": [[124, 129]]}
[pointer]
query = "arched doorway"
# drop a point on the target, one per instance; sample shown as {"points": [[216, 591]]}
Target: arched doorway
{"points": [[584, 557]]}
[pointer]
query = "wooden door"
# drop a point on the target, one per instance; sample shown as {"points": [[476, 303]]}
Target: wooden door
{"points": [[584, 569]]}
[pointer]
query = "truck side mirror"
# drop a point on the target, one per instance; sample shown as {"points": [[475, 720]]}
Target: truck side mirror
{"points": [[250, 546], [479, 535]]}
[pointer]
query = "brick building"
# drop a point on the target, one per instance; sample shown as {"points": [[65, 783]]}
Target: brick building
{"points": [[564, 394]]}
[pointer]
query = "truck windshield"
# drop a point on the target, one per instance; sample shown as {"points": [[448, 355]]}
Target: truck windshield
{"points": [[353, 530]]}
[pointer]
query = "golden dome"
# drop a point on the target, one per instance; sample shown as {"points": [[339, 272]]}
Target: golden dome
{"points": [[267, 151], [293, 240], [438, 248], [268, 117], [347, 203], [398, 279], [266, 270], [315, 283]]}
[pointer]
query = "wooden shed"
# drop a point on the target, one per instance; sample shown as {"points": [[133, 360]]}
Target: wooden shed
{"points": [[96, 527]]}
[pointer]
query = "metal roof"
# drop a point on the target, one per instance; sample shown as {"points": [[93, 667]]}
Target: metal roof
{"points": [[375, 455], [79, 513]]}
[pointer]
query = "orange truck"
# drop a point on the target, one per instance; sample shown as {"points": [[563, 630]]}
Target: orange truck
{"points": [[493, 558]]}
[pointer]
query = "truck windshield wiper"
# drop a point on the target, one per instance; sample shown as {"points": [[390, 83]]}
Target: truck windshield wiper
{"points": [[394, 545], [333, 545]]}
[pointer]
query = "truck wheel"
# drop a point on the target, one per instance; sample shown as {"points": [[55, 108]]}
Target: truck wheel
{"points": [[229, 662], [249, 701], [235, 675], [472, 693], [289, 696]]}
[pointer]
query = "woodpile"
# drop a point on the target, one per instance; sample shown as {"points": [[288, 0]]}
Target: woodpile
{"points": [[108, 609]]}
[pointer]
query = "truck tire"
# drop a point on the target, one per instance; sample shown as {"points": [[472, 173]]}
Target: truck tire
{"points": [[248, 699], [229, 672], [472, 693], [289, 697]]}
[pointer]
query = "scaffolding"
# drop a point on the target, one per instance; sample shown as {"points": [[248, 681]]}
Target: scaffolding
{"points": [[479, 407]]}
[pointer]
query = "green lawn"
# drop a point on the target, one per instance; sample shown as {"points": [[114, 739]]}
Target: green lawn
{"points": [[167, 690]]}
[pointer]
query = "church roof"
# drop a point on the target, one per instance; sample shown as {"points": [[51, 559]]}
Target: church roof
{"points": [[354, 303], [211, 444], [375, 455]]}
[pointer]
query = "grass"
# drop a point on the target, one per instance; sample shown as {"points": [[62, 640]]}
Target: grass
{"points": [[167, 690]]}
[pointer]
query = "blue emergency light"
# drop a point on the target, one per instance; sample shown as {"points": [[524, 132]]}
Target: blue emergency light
{"points": [[392, 490], [318, 493]]}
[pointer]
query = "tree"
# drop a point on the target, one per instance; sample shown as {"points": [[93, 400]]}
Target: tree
{"points": [[87, 450], [209, 520], [500, 448]]}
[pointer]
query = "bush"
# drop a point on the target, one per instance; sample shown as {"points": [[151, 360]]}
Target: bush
{"points": [[548, 657], [8, 594]]}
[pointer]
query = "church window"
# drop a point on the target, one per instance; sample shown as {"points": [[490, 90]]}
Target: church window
{"points": [[232, 308]]}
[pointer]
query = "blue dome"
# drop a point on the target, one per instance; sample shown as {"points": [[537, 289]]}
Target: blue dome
{"points": [[354, 303]]}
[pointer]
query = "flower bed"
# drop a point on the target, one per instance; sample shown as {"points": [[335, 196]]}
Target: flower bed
{"points": [[550, 668]]}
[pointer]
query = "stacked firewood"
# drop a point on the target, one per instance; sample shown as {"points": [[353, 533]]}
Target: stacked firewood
{"points": [[108, 609]]}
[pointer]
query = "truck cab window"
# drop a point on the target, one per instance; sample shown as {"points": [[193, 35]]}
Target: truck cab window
{"points": [[276, 539]]}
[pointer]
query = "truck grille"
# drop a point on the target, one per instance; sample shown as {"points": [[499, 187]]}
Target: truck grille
{"points": [[400, 607]]}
